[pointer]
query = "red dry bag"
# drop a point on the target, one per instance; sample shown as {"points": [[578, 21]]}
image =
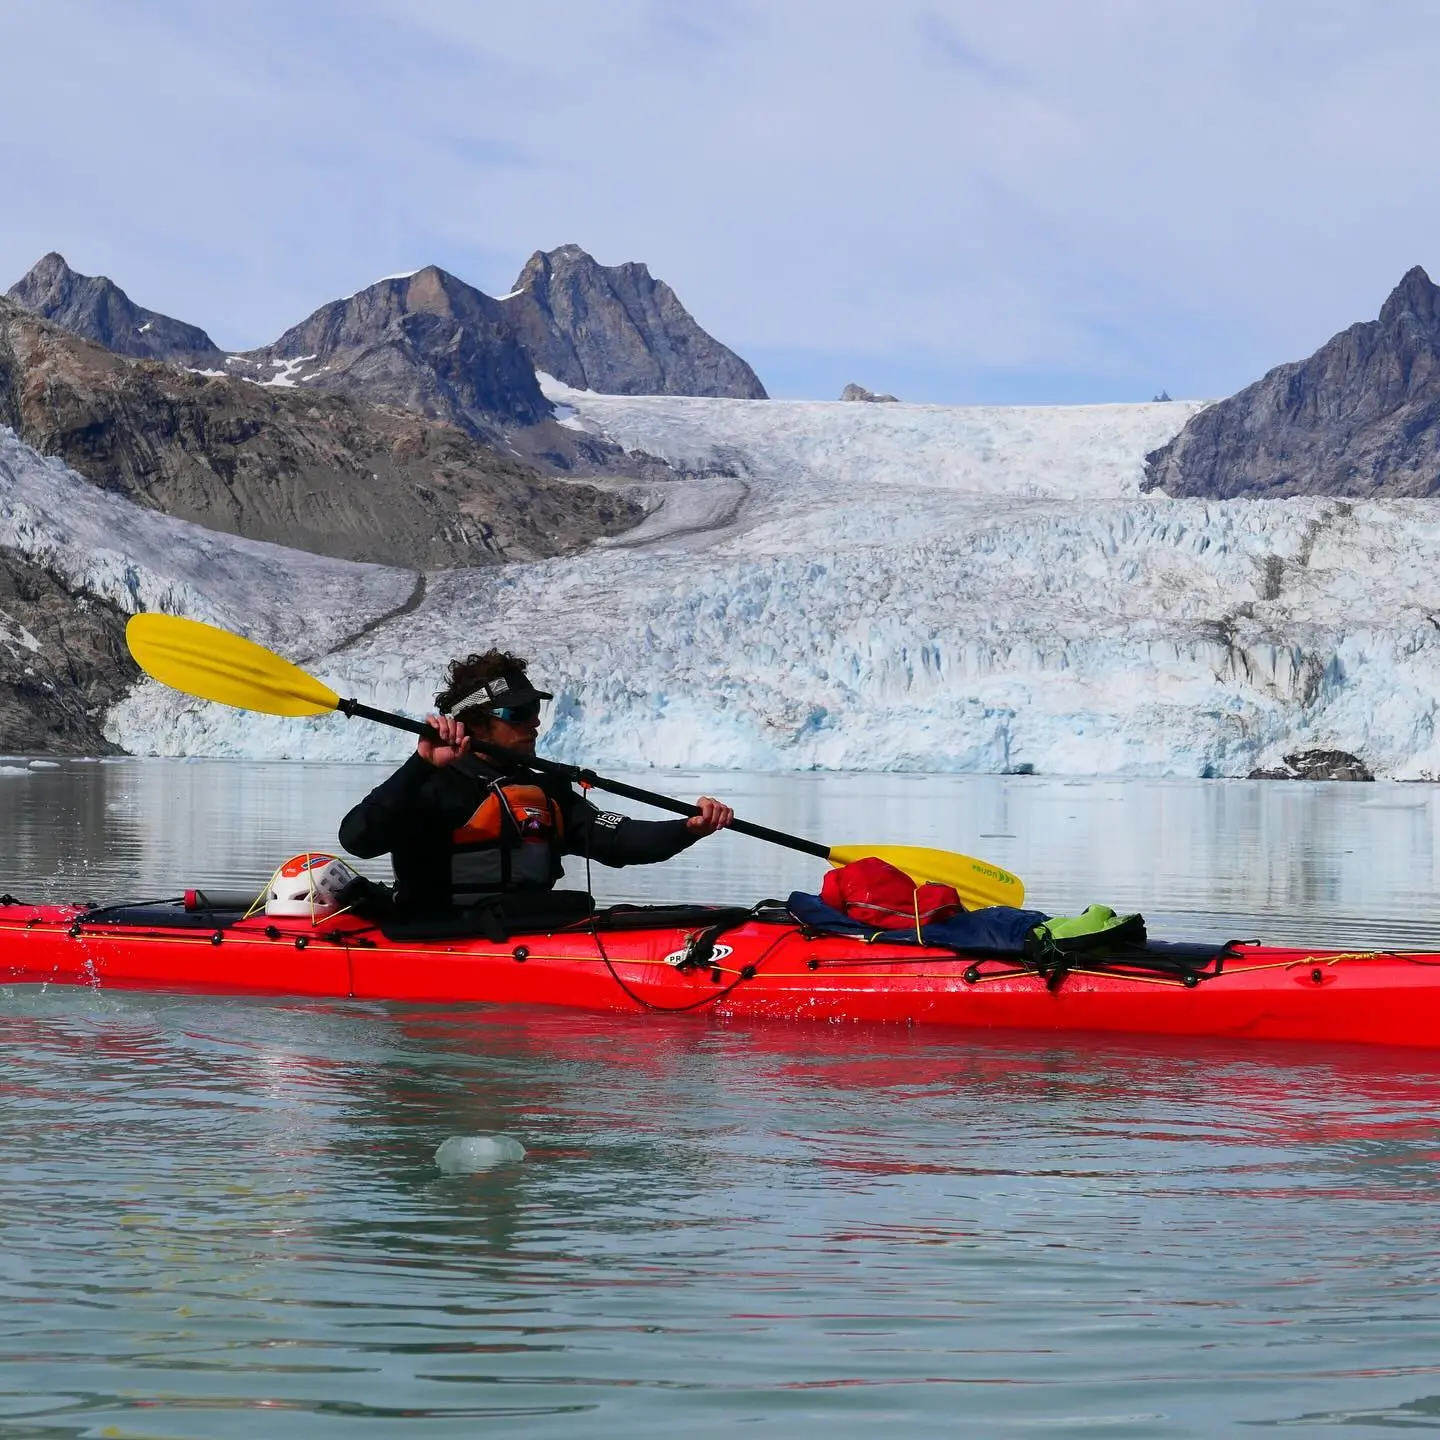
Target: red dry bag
{"points": [[874, 892]]}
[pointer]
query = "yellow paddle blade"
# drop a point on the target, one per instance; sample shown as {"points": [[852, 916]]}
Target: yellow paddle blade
{"points": [[977, 882], [216, 665]]}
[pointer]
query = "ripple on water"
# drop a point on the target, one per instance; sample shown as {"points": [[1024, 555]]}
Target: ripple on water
{"points": [[219, 1215]]}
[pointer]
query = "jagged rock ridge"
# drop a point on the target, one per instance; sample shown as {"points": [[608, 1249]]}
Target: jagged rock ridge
{"points": [[430, 343], [858, 392], [616, 329], [311, 470], [98, 309], [1360, 417]]}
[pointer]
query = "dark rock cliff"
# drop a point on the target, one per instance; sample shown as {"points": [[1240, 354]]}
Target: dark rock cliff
{"points": [[617, 329], [95, 307], [1317, 765], [1360, 417], [63, 663]]}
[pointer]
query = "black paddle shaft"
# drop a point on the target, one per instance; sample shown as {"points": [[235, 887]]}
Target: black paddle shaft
{"points": [[577, 775]]}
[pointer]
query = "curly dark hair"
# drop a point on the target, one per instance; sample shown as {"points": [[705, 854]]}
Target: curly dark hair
{"points": [[468, 675]]}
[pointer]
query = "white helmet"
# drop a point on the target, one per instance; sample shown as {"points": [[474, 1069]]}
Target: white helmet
{"points": [[310, 885]]}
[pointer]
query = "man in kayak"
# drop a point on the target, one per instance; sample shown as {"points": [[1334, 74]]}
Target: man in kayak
{"points": [[461, 826]]}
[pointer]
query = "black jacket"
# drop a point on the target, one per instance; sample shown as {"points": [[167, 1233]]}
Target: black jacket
{"points": [[452, 840]]}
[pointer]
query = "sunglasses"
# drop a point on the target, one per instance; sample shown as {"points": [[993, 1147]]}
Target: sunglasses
{"points": [[517, 714]]}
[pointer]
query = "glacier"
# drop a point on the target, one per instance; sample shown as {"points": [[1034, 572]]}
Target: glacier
{"points": [[104, 546], [840, 586]]}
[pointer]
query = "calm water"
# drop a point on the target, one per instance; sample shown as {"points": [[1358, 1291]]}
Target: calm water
{"points": [[223, 1217]]}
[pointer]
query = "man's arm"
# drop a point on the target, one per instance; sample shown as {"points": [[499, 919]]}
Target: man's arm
{"points": [[620, 840], [395, 812]]}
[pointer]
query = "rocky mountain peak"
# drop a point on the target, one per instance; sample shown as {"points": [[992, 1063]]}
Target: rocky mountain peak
{"points": [[361, 318], [52, 274], [95, 307], [567, 260], [426, 341], [1360, 417], [858, 392], [1415, 296], [616, 329]]}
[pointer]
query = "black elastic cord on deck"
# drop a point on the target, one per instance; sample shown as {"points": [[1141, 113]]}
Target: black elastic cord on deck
{"points": [[747, 972]]}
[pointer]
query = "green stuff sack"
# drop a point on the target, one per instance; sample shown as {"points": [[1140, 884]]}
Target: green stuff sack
{"points": [[1098, 927]]}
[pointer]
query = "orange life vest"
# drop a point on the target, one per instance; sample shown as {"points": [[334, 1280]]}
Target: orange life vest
{"points": [[512, 840]]}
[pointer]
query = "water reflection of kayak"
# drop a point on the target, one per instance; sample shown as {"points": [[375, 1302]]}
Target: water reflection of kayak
{"points": [[732, 962]]}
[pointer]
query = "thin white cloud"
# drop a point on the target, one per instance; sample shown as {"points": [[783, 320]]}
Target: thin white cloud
{"points": [[1135, 192]]}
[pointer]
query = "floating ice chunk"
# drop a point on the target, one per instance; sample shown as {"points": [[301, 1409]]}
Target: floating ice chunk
{"points": [[13, 770], [44, 764], [464, 1154]]}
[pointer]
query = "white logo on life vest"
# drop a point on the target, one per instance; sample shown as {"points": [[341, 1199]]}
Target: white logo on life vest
{"points": [[609, 819], [532, 821], [679, 957]]}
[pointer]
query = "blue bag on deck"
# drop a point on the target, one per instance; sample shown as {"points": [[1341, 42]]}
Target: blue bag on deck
{"points": [[996, 930]]}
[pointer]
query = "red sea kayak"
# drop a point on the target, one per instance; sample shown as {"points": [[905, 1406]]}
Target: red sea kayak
{"points": [[735, 964]]}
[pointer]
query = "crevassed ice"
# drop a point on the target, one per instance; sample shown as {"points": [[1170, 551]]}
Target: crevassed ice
{"points": [[863, 587]]}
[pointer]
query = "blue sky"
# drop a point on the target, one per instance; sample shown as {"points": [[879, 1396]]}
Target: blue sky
{"points": [[958, 201]]}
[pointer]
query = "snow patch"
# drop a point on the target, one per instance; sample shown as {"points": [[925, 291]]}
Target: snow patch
{"points": [[553, 389], [384, 280], [287, 368], [13, 634]]}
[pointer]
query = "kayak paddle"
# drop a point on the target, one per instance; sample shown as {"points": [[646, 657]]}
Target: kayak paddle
{"points": [[214, 664]]}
